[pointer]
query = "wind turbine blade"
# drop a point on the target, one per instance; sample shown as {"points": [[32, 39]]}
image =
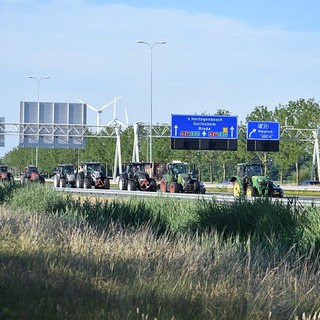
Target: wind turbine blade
{"points": [[114, 108], [126, 114], [110, 123], [88, 105], [80, 100], [108, 104], [121, 123], [92, 108]]}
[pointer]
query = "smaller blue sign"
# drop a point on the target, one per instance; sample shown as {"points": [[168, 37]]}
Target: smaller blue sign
{"points": [[263, 130]]}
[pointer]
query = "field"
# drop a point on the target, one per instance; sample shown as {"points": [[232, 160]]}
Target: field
{"points": [[63, 258]]}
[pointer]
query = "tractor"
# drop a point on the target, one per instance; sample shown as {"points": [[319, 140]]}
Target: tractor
{"points": [[5, 174], [251, 181], [181, 177], [90, 175], [64, 175], [134, 177], [31, 174]]}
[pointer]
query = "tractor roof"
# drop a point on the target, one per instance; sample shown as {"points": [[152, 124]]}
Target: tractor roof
{"points": [[134, 163], [91, 162]]}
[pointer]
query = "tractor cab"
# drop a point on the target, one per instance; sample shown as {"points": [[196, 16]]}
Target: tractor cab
{"points": [[249, 170]]}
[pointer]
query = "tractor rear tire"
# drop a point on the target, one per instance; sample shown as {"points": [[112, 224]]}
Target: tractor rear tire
{"points": [[56, 182], [196, 187], [163, 186], [174, 187], [122, 184], [86, 183], [62, 183], [106, 183], [79, 183], [153, 185], [236, 189], [132, 185]]}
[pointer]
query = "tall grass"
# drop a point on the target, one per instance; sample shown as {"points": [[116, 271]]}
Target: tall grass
{"points": [[156, 260]]}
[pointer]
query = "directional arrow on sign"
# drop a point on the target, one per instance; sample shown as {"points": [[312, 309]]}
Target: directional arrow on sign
{"points": [[232, 129], [176, 130], [252, 132], [204, 133]]}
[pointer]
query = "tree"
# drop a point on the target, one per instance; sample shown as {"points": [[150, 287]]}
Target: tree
{"points": [[300, 114]]}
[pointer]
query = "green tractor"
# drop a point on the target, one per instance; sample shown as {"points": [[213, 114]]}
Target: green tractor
{"points": [[251, 181], [181, 177]]}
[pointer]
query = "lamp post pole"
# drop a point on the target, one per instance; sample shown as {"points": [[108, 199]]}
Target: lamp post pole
{"points": [[38, 83], [151, 49]]}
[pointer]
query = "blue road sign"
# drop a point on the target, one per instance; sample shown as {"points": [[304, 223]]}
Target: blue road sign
{"points": [[204, 127], [263, 130]]}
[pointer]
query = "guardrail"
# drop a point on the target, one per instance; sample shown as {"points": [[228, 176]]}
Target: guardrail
{"points": [[220, 197], [284, 187]]}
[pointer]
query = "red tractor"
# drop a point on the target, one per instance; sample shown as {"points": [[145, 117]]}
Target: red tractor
{"points": [[31, 174], [5, 174]]}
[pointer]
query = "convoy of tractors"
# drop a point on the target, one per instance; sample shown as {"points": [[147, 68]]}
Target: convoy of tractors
{"points": [[173, 177]]}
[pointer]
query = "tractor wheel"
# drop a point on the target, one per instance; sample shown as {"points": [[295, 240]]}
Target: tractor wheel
{"points": [[106, 183], [132, 185], [163, 186], [62, 183], [55, 182], [174, 187], [79, 183], [236, 189], [196, 187], [152, 185], [250, 192], [122, 184], [86, 183]]}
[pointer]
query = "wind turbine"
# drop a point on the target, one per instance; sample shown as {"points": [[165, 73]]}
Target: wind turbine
{"points": [[115, 121], [99, 111]]}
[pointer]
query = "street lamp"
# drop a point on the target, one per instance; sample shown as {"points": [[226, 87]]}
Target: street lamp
{"points": [[38, 82], [151, 47]]}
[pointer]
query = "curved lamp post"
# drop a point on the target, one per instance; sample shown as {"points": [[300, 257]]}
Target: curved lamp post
{"points": [[151, 48]]}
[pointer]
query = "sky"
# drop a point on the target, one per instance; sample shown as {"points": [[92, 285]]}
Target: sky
{"points": [[229, 54]]}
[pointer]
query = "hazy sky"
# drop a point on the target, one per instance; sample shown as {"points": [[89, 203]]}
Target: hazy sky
{"points": [[228, 54]]}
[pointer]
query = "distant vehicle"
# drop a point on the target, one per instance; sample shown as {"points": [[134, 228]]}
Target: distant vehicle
{"points": [[277, 191], [251, 181], [181, 177], [90, 175], [134, 177], [310, 183], [226, 181], [31, 174], [64, 175], [5, 174]]}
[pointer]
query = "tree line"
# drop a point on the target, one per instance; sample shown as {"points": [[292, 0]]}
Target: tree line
{"points": [[292, 163]]}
